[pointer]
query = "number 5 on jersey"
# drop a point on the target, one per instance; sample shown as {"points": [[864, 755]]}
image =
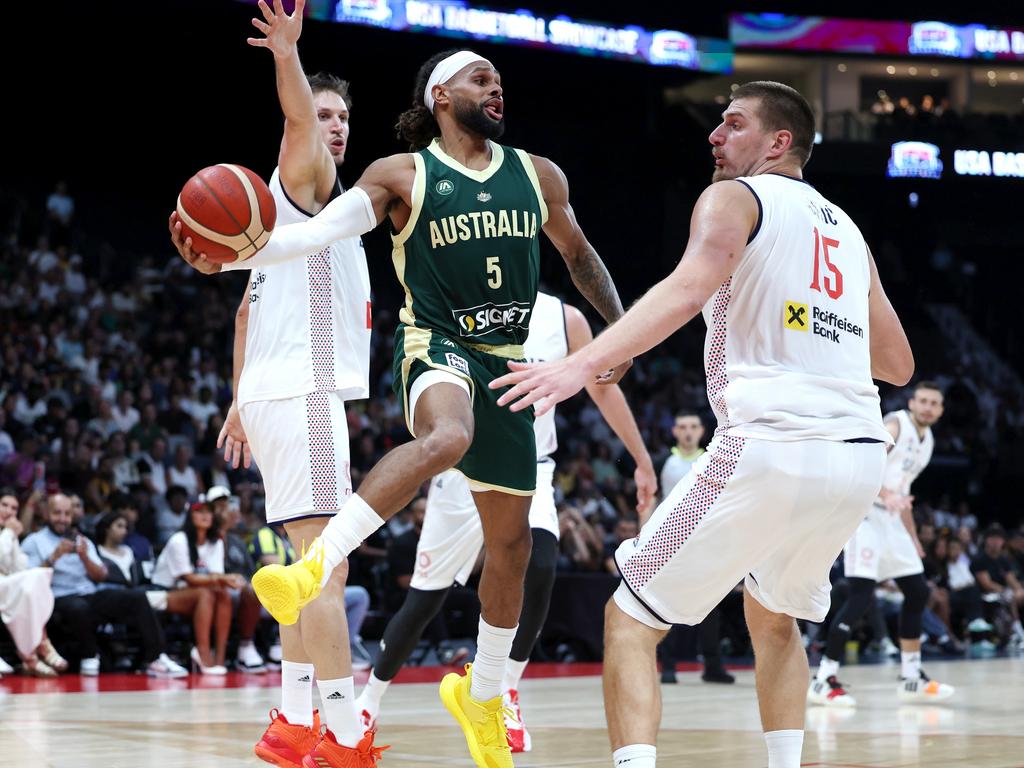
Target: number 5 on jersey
{"points": [[834, 283], [493, 272]]}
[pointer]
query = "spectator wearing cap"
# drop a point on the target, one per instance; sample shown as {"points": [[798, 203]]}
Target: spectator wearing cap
{"points": [[191, 569], [238, 562], [993, 570]]}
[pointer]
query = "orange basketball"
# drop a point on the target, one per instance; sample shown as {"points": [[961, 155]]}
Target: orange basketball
{"points": [[228, 212]]}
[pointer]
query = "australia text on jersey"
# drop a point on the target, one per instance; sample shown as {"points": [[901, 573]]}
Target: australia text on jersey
{"points": [[482, 224]]}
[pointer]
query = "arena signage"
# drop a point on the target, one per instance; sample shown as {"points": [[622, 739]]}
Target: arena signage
{"points": [[896, 38], [457, 18], [917, 159], [975, 162]]}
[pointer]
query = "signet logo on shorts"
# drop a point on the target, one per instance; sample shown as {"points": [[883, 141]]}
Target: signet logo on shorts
{"points": [[444, 187], [795, 316]]}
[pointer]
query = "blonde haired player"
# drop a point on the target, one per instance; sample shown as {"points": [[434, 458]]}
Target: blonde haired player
{"points": [[884, 547], [302, 348], [452, 535], [798, 324]]}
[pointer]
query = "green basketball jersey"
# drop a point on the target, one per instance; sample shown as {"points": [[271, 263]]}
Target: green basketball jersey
{"points": [[469, 257]]}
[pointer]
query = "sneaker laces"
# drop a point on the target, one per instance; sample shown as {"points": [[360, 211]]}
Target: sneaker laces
{"points": [[492, 729]]}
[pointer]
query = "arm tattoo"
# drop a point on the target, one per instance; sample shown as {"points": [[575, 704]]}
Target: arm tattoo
{"points": [[591, 278]]}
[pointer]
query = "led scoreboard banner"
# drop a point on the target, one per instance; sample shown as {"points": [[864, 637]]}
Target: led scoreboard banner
{"points": [[457, 18], [775, 31]]}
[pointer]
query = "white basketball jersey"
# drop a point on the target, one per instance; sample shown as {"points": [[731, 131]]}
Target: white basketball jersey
{"points": [[547, 341], [908, 457], [787, 352], [309, 320]]}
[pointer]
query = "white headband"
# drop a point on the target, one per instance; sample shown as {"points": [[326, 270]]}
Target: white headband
{"points": [[446, 69]]}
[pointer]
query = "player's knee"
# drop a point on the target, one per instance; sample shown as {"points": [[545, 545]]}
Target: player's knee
{"points": [[915, 592], [445, 445], [774, 629]]}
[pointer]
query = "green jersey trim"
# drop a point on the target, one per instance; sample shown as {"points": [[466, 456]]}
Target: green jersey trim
{"points": [[531, 171], [497, 158]]}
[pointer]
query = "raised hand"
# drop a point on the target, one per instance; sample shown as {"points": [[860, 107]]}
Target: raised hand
{"points": [[281, 30], [197, 261]]}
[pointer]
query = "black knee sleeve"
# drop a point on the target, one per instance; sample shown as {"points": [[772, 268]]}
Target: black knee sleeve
{"points": [[862, 591], [405, 630], [915, 597], [540, 579]]}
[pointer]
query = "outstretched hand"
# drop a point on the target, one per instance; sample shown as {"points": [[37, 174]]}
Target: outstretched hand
{"points": [[282, 31], [197, 261], [542, 385]]}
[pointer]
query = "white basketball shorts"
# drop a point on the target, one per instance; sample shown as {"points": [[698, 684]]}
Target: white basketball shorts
{"points": [[452, 535], [881, 548], [301, 447], [774, 514]]}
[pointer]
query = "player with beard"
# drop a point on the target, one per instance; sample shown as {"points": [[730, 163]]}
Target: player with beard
{"points": [[466, 214], [884, 547]]}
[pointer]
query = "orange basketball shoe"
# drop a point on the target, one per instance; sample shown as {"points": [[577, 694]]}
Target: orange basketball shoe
{"points": [[284, 744], [328, 753]]}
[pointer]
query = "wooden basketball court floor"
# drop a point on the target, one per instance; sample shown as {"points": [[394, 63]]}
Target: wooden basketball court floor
{"points": [[197, 724]]}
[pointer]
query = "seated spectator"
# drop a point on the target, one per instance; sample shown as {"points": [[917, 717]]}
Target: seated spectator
{"points": [[964, 595], [627, 528], [269, 547], [581, 544], [171, 516], [994, 573], [79, 605], [191, 569], [124, 412], [182, 473], [151, 466], [142, 549], [26, 600], [238, 561]]}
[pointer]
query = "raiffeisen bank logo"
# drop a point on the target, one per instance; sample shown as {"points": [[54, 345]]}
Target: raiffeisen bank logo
{"points": [[933, 38], [917, 159], [486, 318]]}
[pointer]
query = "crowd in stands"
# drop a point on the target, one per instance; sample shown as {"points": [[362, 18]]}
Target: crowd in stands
{"points": [[113, 385]]}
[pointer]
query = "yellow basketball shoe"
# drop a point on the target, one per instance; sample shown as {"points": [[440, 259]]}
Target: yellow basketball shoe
{"points": [[483, 723], [284, 590]]}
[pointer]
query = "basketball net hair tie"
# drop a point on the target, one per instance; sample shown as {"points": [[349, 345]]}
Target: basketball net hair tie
{"points": [[446, 69]]}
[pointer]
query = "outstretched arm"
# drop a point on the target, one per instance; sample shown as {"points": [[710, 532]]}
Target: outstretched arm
{"points": [[306, 166], [353, 213], [722, 220], [611, 402]]}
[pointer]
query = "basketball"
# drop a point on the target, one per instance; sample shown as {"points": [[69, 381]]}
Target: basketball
{"points": [[228, 212]]}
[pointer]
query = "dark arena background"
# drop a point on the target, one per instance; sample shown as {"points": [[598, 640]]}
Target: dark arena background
{"points": [[116, 358]]}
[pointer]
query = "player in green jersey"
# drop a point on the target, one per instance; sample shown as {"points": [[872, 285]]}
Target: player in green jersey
{"points": [[466, 214]]}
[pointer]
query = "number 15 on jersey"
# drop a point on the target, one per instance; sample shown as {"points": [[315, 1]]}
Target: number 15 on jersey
{"points": [[833, 282]]}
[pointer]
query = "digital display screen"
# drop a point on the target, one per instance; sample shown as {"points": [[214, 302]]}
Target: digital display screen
{"points": [[776, 31], [456, 18]]}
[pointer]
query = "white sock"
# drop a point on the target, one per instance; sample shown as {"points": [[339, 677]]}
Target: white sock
{"points": [[827, 668], [1018, 630], [911, 665], [513, 674], [346, 531], [635, 756], [297, 692], [493, 645], [338, 698], [374, 691], [784, 748]]}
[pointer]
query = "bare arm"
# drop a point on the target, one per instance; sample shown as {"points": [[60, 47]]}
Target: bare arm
{"points": [[722, 220], [986, 583], [907, 517], [891, 357], [232, 437], [589, 273], [306, 167], [611, 402]]}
